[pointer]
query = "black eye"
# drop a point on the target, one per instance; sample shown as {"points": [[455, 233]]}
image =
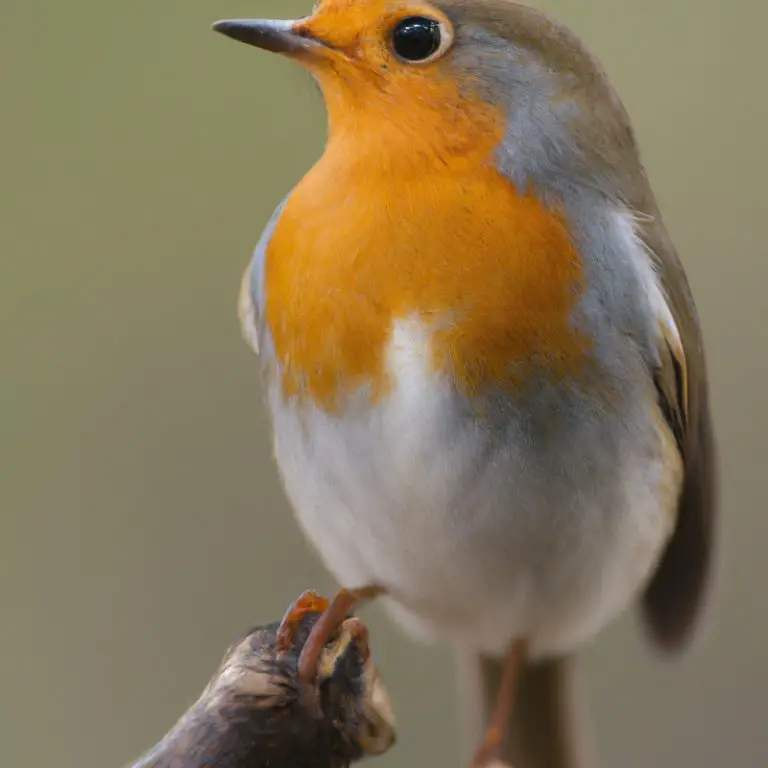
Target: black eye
{"points": [[416, 38]]}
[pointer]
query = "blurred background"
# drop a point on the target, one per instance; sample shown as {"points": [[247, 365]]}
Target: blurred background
{"points": [[142, 523]]}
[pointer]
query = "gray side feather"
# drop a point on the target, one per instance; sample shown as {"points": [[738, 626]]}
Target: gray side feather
{"points": [[674, 599], [252, 299]]}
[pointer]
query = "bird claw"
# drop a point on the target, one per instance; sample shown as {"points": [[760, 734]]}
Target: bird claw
{"points": [[329, 622], [308, 602]]}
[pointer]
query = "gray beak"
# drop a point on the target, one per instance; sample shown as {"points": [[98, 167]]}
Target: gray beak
{"points": [[275, 36]]}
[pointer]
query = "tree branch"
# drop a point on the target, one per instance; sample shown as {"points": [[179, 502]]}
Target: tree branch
{"points": [[255, 713]]}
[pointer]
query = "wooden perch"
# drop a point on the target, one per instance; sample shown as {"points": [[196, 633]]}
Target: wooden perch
{"points": [[255, 713]]}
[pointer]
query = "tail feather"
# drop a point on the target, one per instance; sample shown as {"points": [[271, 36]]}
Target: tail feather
{"points": [[546, 730]]}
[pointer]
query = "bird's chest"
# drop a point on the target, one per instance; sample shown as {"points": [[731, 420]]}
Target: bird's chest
{"points": [[492, 275]]}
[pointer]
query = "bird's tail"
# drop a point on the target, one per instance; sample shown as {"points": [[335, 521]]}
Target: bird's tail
{"points": [[546, 729]]}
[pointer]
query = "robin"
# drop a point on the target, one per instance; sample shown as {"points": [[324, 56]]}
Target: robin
{"points": [[481, 356]]}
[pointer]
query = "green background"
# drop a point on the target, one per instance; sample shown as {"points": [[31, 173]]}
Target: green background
{"points": [[143, 526]]}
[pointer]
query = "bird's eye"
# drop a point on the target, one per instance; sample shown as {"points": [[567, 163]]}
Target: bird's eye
{"points": [[419, 39]]}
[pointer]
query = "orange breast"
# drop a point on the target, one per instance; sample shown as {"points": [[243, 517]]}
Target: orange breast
{"points": [[493, 273]]}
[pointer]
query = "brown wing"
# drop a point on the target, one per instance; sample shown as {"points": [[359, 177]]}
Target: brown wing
{"points": [[675, 595]]}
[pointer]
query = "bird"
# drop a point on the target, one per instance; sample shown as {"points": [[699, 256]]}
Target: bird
{"points": [[481, 356]]}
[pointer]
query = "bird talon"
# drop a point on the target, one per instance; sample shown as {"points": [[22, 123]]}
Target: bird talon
{"points": [[308, 602], [330, 621]]}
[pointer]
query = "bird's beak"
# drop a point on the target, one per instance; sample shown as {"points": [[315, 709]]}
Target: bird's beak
{"points": [[276, 36]]}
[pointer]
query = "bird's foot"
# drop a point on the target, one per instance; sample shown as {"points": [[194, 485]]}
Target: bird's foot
{"points": [[333, 616], [307, 602], [488, 754]]}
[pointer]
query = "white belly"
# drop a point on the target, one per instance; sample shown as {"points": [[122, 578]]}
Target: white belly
{"points": [[479, 534]]}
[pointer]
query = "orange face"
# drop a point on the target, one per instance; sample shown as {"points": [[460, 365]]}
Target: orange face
{"points": [[419, 105], [406, 216]]}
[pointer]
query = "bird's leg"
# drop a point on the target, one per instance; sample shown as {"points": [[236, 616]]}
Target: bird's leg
{"points": [[331, 619], [488, 751]]}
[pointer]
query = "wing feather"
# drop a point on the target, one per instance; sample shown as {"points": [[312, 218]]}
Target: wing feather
{"points": [[250, 304], [676, 594]]}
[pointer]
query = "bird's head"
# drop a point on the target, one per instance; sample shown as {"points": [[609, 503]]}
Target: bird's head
{"points": [[459, 81]]}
